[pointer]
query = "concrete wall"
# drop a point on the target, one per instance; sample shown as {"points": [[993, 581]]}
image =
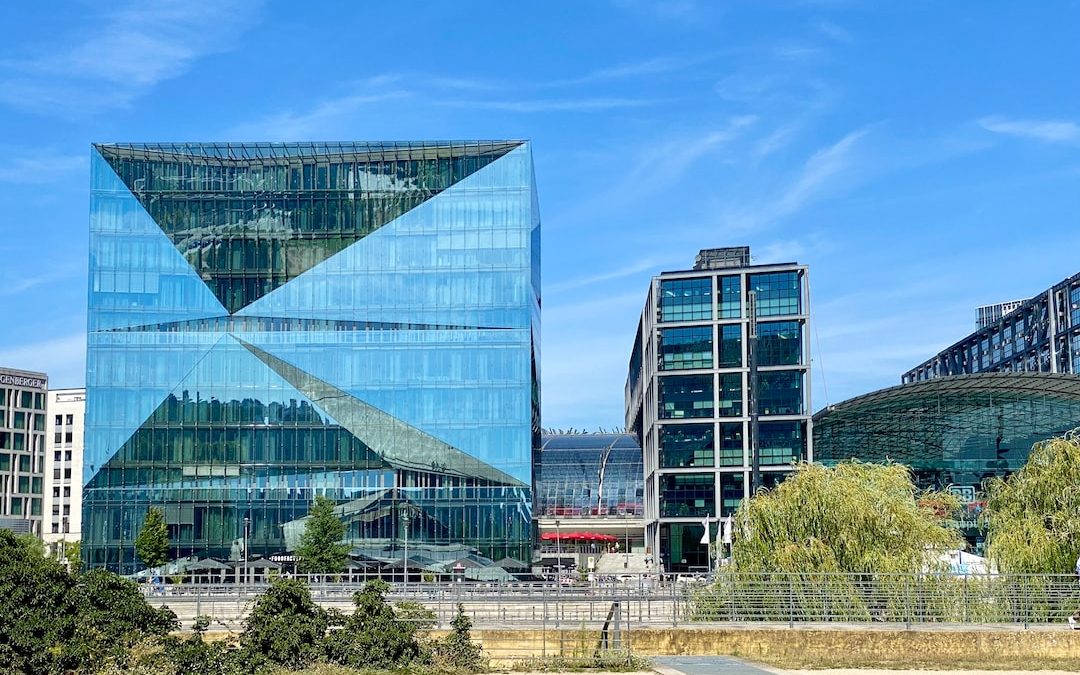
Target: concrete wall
{"points": [[827, 646]]}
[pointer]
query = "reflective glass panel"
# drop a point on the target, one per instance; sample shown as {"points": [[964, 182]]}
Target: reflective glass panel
{"points": [[683, 396], [685, 348], [684, 445]]}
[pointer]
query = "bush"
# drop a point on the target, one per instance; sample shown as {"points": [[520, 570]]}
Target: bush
{"points": [[457, 650], [374, 636], [111, 617], [285, 628]]}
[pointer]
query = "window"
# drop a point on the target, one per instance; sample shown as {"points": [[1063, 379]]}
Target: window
{"points": [[687, 494], [683, 445], [683, 396], [20, 420], [731, 493], [24, 463], [730, 298], [779, 343], [684, 348], [67, 436], [16, 506], [778, 293], [55, 528], [731, 444], [67, 491], [70, 420], [780, 392], [67, 474], [686, 299], [56, 491], [731, 392], [781, 442], [59, 420], [27, 399], [67, 455], [730, 346], [56, 456], [5, 461]]}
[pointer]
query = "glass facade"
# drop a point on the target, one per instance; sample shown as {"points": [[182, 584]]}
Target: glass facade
{"points": [[272, 322], [589, 476], [954, 432], [688, 494], [778, 293], [1039, 335], [685, 348], [684, 445], [686, 299], [699, 361], [684, 396]]}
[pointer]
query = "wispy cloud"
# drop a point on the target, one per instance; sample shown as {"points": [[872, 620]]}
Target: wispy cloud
{"points": [[589, 104], [659, 65], [42, 168], [125, 52], [822, 173], [323, 118], [638, 267], [834, 32], [1050, 131]]}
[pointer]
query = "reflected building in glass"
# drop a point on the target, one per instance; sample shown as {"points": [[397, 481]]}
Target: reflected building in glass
{"points": [[718, 393], [272, 322]]}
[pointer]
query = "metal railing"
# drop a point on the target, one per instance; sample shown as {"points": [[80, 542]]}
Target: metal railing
{"points": [[674, 600]]}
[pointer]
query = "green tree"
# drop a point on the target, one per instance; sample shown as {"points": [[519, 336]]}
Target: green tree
{"points": [[457, 650], [53, 622], [374, 636], [854, 517], [152, 542], [37, 612], [321, 550], [1033, 516], [285, 628], [111, 616]]}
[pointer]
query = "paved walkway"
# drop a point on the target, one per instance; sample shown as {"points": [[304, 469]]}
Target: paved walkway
{"points": [[705, 665]]}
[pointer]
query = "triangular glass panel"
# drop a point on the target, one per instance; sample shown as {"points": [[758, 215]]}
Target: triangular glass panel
{"points": [[138, 276], [464, 257], [229, 416], [251, 217]]}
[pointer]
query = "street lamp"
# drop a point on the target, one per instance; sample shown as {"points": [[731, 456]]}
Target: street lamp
{"points": [[247, 534], [558, 554], [405, 568], [626, 539]]}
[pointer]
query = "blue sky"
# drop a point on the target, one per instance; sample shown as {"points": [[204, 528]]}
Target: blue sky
{"points": [[921, 157]]}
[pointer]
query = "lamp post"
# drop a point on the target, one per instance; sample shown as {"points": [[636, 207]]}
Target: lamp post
{"points": [[247, 534], [626, 540], [405, 522], [558, 554]]}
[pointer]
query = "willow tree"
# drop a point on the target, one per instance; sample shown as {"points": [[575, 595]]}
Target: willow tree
{"points": [[854, 517], [1033, 516]]}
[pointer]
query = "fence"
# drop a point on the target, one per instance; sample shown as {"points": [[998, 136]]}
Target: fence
{"points": [[674, 600]]}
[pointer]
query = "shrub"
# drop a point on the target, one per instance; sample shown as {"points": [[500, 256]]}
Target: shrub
{"points": [[374, 636], [457, 650], [285, 628]]}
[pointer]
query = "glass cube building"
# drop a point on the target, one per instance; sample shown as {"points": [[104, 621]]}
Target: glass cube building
{"points": [[272, 322]]}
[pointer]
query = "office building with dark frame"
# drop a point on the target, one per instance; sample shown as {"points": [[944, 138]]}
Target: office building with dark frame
{"points": [[272, 322], [1041, 335], [691, 390]]}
